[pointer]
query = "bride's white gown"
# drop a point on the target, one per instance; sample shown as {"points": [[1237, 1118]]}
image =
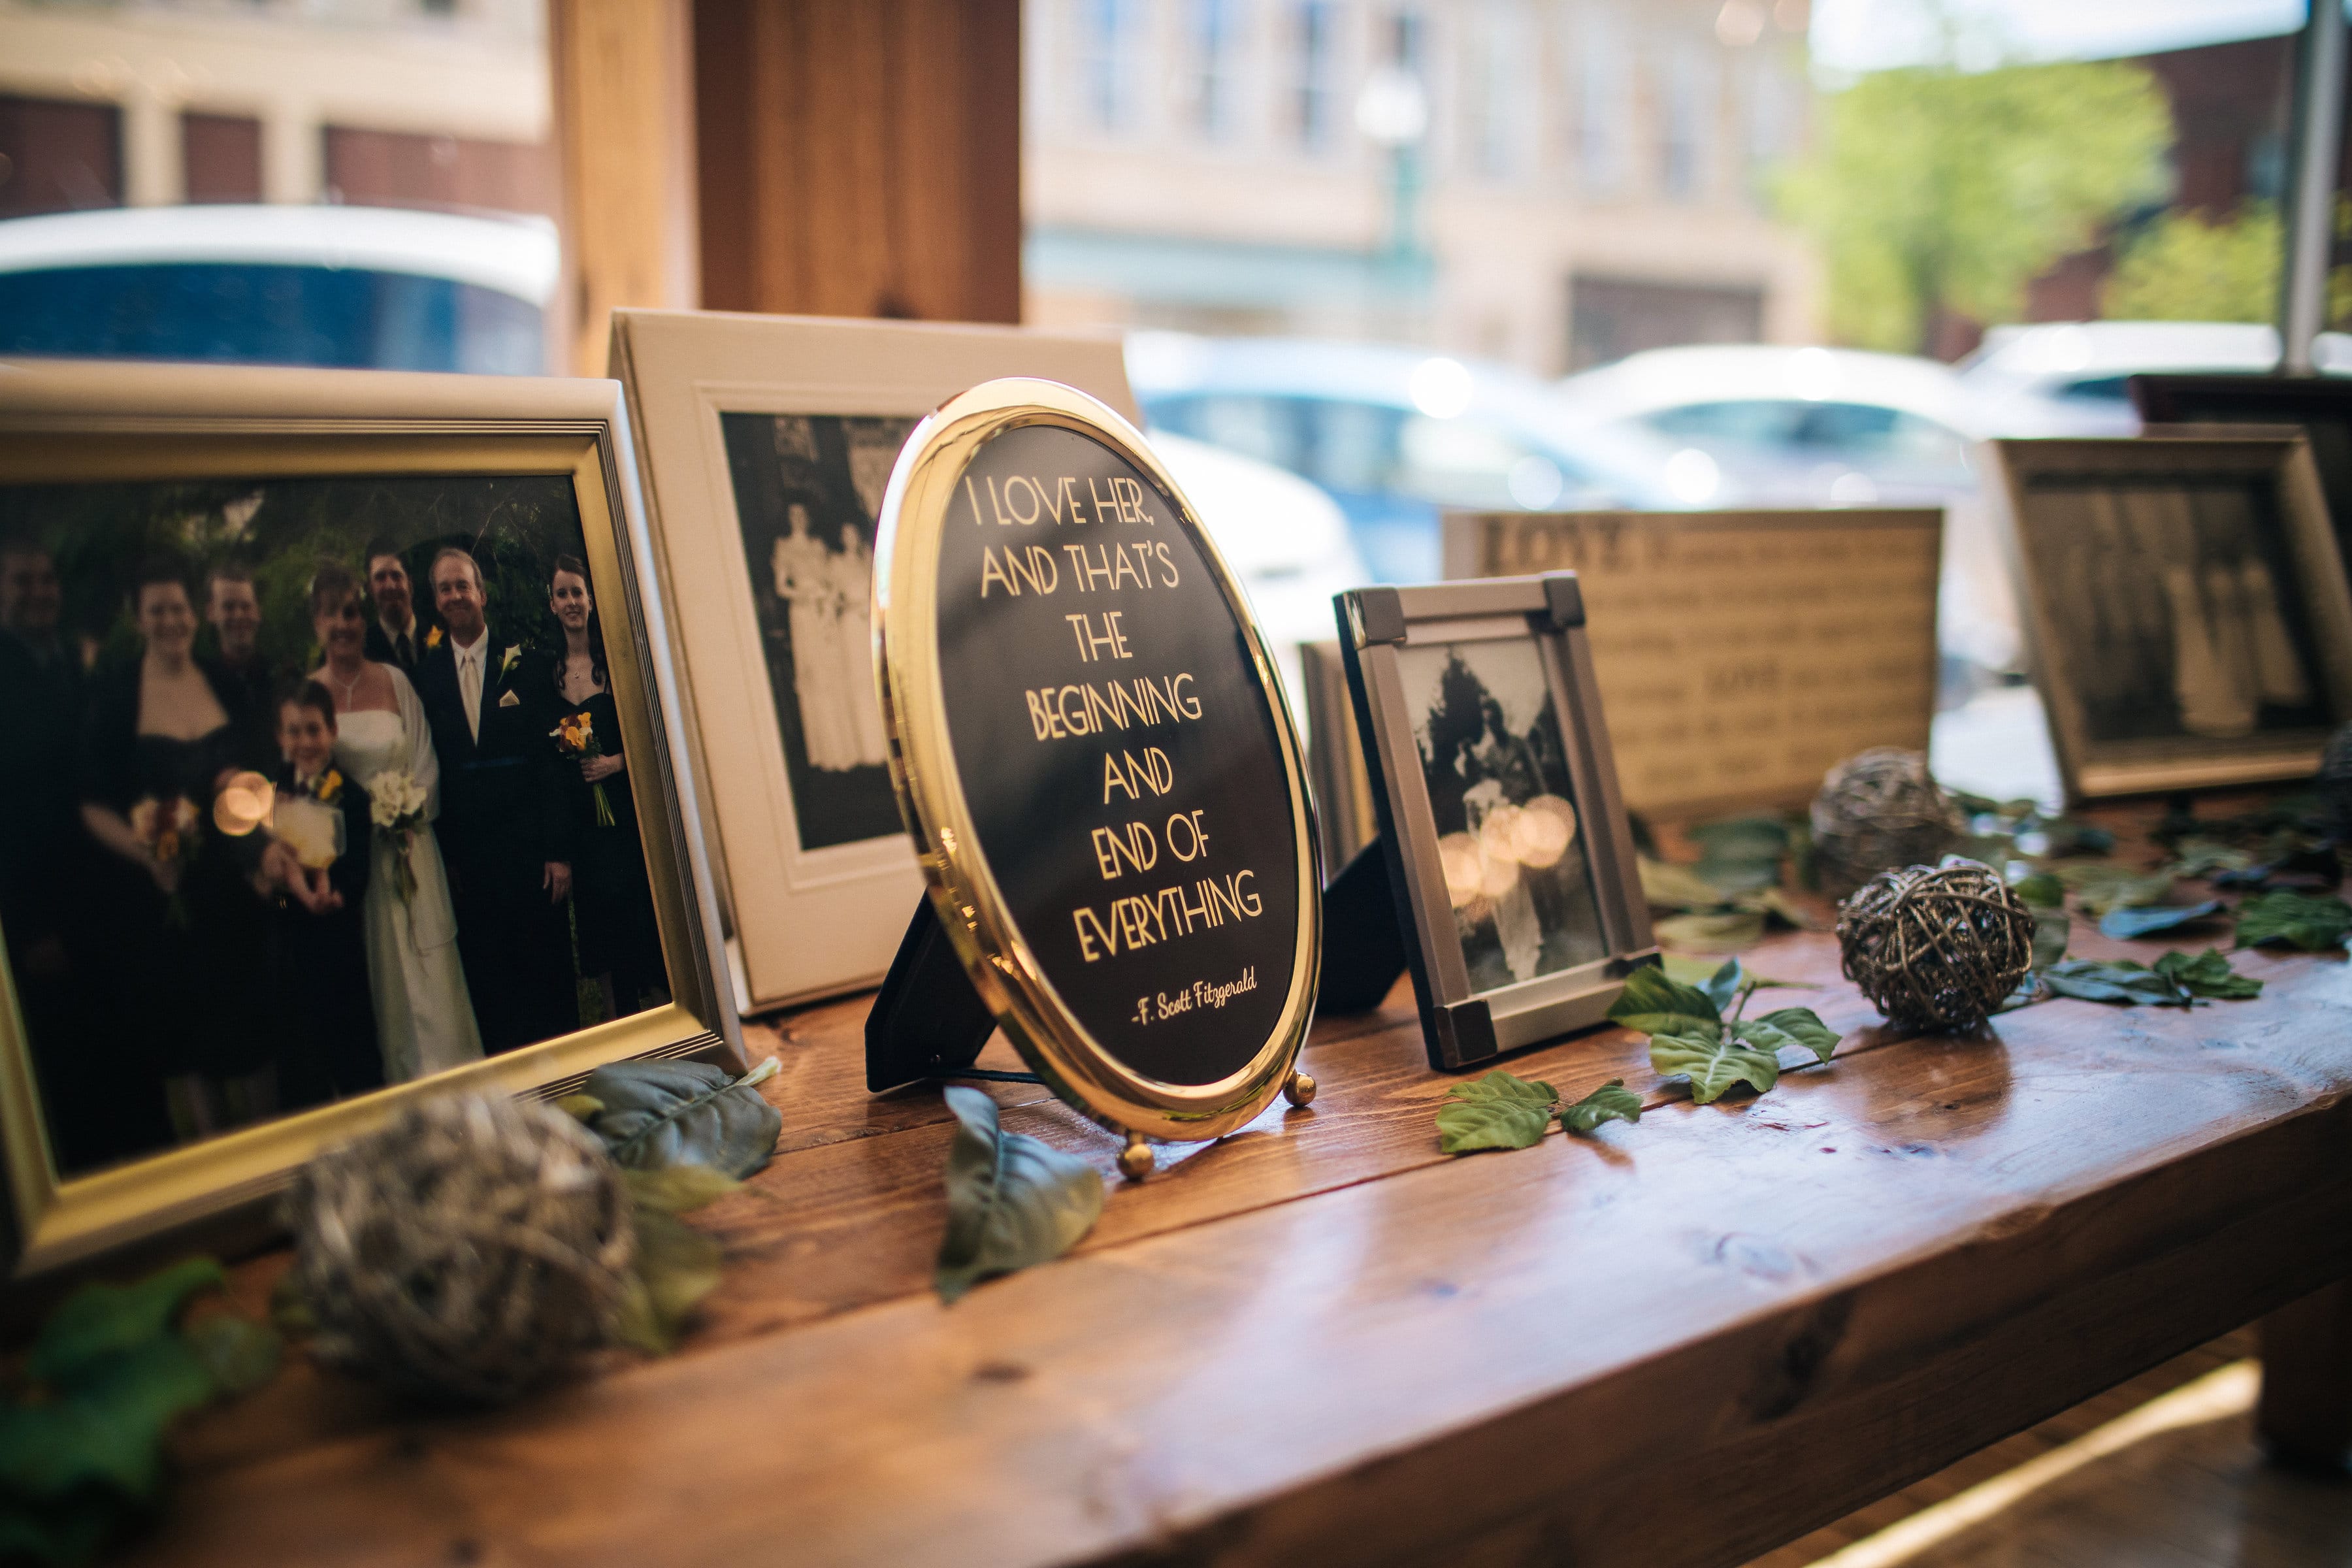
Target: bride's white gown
{"points": [[424, 1018]]}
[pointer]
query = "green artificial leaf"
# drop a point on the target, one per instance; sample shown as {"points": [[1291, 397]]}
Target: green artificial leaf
{"points": [[1789, 1026], [108, 1430], [1656, 1005], [2200, 857], [1012, 1200], [2124, 925], [674, 1267], [1667, 886], [1777, 903], [1731, 878], [2294, 919], [2121, 982], [1710, 932], [2064, 835], [238, 1354], [1722, 987], [1742, 838], [2100, 887], [678, 1189], [580, 1107], [2053, 930], [1611, 1101], [1697, 971], [658, 1114], [2041, 890], [98, 1322], [1712, 1063], [2207, 974], [1497, 1111]]}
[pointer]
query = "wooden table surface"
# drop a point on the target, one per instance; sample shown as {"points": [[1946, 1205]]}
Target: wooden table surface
{"points": [[1681, 1342]]}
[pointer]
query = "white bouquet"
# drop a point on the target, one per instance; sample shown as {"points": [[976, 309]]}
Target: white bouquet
{"points": [[396, 806]]}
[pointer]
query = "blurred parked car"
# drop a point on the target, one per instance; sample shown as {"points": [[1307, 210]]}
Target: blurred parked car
{"points": [[354, 287], [1817, 427], [1285, 540], [2066, 378], [1797, 426], [1395, 435]]}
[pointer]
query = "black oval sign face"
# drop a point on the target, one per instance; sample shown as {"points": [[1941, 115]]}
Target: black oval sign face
{"points": [[1118, 758]]}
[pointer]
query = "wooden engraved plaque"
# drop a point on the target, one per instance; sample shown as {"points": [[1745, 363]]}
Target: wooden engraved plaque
{"points": [[1740, 654]]}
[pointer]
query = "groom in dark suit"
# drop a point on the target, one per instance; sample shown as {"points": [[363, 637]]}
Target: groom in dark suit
{"points": [[504, 832]]}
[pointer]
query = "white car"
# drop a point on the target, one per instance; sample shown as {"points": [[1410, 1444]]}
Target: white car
{"points": [[367, 288], [1283, 538], [2067, 378], [1830, 428]]}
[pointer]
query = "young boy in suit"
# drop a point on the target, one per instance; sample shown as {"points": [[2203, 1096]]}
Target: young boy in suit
{"points": [[322, 959]]}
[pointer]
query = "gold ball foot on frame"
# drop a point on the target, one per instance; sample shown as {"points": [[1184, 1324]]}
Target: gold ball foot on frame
{"points": [[1135, 1161], [1299, 1090]]}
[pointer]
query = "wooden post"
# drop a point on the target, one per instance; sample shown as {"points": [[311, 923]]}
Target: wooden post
{"points": [[624, 132], [2305, 1415], [860, 159]]}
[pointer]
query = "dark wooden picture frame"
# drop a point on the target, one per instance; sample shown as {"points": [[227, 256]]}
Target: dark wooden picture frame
{"points": [[1475, 1004]]}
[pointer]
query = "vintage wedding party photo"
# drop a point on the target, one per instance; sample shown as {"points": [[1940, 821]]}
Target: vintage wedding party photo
{"points": [[316, 786], [1508, 831], [808, 489]]}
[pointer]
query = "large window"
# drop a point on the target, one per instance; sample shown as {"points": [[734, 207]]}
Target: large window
{"points": [[1109, 35], [1217, 44], [1314, 91]]}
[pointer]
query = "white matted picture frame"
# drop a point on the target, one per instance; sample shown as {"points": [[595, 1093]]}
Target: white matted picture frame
{"points": [[765, 443]]}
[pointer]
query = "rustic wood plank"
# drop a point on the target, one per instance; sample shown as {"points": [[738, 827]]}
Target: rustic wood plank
{"points": [[860, 159], [1878, 1269], [2305, 1418]]}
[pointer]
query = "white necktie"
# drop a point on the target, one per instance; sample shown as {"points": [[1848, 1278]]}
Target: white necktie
{"points": [[470, 687]]}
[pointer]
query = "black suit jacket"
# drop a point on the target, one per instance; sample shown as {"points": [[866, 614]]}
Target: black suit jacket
{"points": [[40, 815], [380, 649], [502, 800]]}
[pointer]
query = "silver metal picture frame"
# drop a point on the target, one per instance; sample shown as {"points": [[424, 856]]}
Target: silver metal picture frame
{"points": [[1509, 854]]}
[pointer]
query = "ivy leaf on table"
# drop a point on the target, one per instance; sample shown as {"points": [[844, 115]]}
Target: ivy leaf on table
{"points": [[1790, 1028], [675, 1265], [655, 1115], [1612, 1101], [2126, 925], [1653, 1005], [1713, 1064], [2123, 981], [1713, 932], [1497, 1111], [2045, 895], [1012, 1200], [1700, 971], [2100, 887], [2294, 919], [2208, 974]]}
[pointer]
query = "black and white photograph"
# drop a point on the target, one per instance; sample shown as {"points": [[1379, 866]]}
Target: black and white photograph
{"points": [[315, 785], [1509, 836], [808, 489], [2178, 605]]}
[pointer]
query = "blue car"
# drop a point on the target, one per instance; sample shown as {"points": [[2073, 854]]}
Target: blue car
{"points": [[1398, 435]]}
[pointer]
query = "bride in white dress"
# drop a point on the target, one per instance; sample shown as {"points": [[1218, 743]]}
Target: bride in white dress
{"points": [[424, 1017]]}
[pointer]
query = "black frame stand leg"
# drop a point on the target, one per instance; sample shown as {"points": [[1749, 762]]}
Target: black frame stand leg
{"points": [[1363, 947], [928, 1021]]}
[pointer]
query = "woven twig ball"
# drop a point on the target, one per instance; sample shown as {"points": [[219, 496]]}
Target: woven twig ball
{"points": [[464, 1253], [1876, 810], [2335, 784], [1936, 947]]}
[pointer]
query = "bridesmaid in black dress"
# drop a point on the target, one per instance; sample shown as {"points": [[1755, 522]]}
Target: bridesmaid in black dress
{"points": [[186, 923], [612, 901]]}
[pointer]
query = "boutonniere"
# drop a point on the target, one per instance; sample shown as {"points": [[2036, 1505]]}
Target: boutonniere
{"points": [[514, 652], [433, 638], [327, 786]]}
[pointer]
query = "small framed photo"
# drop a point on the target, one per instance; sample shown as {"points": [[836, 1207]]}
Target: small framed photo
{"points": [[340, 771], [1507, 844], [2185, 603], [766, 442]]}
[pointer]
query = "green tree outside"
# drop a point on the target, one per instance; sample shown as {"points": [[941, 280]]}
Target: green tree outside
{"points": [[2184, 268], [1930, 188]]}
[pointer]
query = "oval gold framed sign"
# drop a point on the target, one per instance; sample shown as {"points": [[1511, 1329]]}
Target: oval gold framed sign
{"points": [[1092, 753]]}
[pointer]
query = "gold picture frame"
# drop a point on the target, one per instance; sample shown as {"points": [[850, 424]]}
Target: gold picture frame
{"points": [[70, 423], [965, 891], [2124, 549]]}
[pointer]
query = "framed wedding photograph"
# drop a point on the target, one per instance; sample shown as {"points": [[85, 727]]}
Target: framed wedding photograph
{"points": [[340, 772], [2318, 406], [1509, 853], [765, 443], [2186, 608]]}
